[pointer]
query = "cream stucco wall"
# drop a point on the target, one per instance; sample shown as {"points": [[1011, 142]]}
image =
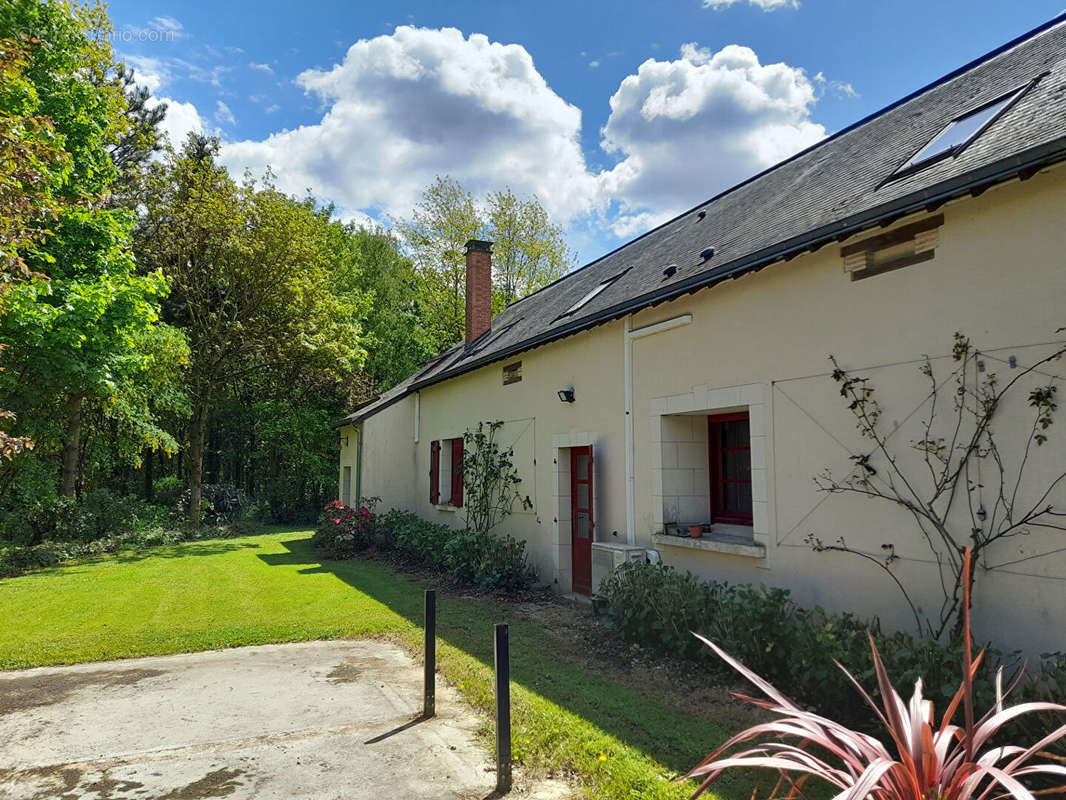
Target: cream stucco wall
{"points": [[761, 343]]}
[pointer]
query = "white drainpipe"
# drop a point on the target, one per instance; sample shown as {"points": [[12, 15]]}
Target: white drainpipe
{"points": [[628, 337], [418, 415]]}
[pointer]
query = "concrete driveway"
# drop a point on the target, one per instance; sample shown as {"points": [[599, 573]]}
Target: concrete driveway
{"points": [[310, 720]]}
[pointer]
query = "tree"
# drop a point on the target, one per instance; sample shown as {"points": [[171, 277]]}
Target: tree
{"points": [[444, 219], [528, 252], [251, 273], [69, 336], [964, 490], [377, 272], [141, 137], [32, 164]]}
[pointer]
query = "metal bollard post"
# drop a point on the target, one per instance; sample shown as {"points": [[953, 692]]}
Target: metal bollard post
{"points": [[429, 697], [503, 709]]}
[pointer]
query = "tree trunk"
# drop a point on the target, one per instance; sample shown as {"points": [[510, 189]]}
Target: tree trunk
{"points": [[71, 446], [149, 462], [194, 467]]}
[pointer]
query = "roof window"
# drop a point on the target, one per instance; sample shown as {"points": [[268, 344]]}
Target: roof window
{"points": [[591, 294], [957, 134]]}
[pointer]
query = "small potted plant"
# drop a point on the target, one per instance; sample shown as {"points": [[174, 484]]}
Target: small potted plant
{"points": [[695, 531]]}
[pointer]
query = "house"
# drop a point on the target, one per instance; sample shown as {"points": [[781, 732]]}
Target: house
{"points": [[684, 379]]}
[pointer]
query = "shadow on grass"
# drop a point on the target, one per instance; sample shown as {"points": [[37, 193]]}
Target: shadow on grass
{"points": [[673, 738]]}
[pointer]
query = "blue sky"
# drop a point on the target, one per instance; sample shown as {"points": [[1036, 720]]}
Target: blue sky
{"points": [[616, 115]]}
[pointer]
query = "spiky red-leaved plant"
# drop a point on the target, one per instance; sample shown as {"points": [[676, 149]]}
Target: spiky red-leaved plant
{"points": [[922, 760]]}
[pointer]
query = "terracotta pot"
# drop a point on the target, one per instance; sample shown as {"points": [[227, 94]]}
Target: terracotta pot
{"points": [[695, 531]]}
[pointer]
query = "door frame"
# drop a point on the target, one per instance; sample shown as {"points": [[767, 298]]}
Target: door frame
{"points": [[581, 549]]}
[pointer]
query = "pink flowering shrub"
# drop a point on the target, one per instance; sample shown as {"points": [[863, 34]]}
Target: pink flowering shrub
{"points": [[344, 531]]}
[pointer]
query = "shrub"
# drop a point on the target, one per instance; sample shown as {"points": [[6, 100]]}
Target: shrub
{"points": [[794, 647], [20, 559], [98, 515], [220, 503], [167, 491], [49, 518], [483, 560], [344, 531]]}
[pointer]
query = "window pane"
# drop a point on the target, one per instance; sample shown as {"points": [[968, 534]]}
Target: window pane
{"points": [[736, 465], [582, 495], [581, 526], [583, 467], [959, 131], [736, 498], [735, 434]]}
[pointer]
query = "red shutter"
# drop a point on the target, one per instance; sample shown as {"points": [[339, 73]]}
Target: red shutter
{"points": [[434, 472], [457, 472]]}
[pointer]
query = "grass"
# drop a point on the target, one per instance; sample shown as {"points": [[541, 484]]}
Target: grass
{"points": [[272, 588]]}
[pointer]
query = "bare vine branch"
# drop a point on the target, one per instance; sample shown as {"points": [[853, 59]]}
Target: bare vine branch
{"points": [[968, 463]]}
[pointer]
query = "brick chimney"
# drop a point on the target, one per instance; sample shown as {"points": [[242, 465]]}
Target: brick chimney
{"points": [[478, 288]]}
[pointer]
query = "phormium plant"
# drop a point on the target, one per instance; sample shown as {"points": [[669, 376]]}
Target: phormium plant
{"points": [[925, 760]]}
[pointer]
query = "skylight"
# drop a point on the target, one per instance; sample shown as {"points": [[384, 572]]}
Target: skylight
{"points": [[591, 294], [961, 131]]}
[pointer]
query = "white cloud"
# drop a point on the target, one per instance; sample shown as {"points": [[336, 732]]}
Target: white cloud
{"points": [[261, 67], [166, 24], [223, 115], [405, 107], [272, 108], [837, 88], [765, 5], [147, 71], [593, 64], [157, 29], [687, 129], [180, 120]]}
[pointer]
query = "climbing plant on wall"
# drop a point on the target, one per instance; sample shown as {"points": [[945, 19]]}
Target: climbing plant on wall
{"points": [[971, 486], [490, 480]]}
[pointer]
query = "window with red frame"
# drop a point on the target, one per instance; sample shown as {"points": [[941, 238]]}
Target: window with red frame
{"points": [[729, 454], [446, 472]]}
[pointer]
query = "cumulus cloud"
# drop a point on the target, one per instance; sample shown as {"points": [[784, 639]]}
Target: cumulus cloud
{"points": [[405, 107], [147, 71], [765, 5], [261, 67], [181, 120], [181, 117], [688, 128]]}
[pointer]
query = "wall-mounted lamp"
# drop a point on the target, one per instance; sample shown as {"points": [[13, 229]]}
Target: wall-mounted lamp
{"points": [[566, 395]]}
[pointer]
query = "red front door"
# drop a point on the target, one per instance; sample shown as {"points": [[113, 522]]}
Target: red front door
{"points": [[581, 518]]}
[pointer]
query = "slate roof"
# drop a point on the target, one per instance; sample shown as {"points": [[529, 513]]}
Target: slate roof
{"points": [[830, 191]]}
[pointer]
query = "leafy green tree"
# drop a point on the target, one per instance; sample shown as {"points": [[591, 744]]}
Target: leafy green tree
{"points": [[444, 219], [70, 337], [251, 272], [529, 252], [32, 164], [376, 270]]}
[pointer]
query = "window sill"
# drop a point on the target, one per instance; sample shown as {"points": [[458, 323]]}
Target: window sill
{"points": [[446, 507], [718, 541]]}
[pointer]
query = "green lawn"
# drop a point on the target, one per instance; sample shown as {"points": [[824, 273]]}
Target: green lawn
{"points": [[272, 588]]}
